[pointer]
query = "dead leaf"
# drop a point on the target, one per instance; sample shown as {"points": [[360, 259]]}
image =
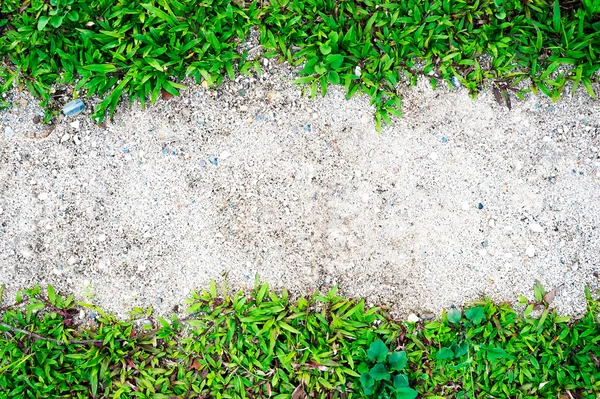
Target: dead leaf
{"points": [[506, 98], [298, 392], [498, 96], [549, 297], [195, 365], [166, 95]]}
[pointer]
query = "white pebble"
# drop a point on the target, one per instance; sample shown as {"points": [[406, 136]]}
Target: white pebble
{"points": [[492, 223], [465, 206], [413, 318], [224, 155], [43, 196], [72, 260], [433, 156], [141, 268], [27, 254], [75, 125], [536, 227], [244, 108], [102, 237], [530, 252], [65, 137], [547, 139], [147, 235], [1, 211]]}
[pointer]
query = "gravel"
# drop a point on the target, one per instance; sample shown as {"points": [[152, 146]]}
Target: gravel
{"points": [[306, 194]]}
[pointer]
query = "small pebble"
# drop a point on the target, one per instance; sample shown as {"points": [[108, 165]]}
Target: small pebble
{"points": [[480, 206], [485, 244], [244, 108], [536, 227], [43, 196], [65, 137], [8, 131], [76, 140], [224, 155], [455, 81], [37, 119], [72, 260], [433, 156], [213, 160], [75, 125], [413, 318], [102, 237], [492, 223], [141, 268], [203, 163], [530, 252]]}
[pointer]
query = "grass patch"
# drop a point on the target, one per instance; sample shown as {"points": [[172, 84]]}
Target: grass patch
{"points": [[262, 345], [109, 48]]}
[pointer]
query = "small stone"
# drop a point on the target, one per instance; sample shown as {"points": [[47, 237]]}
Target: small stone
{"points": [[224, 155], [203, 163], [72, 260], [465, 206], [37, 119], [82, 314], [455, 81], [147, 235], [413, 318], [23, 102], [536, 227], [26, 253], [433, 156], [547, 139], [8, 131], [492, 223], [213, 160], [1, 211], [480, 206], [43, 196], [530, 252], [141, 268], [65, 137], [75, 125], [102, 237], [244, 108]]}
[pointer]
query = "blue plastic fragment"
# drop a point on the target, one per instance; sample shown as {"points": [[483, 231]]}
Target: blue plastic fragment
{"points": [[307, 127], [444, 139], [74, 107], [213, 160], [480, 206]]}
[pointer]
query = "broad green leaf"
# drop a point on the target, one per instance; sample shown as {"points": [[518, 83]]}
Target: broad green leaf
{"points": [[475, 314], [406, 393], [397, 360], [379, 372], [400, 381], [444, 354], [334, 61], [454, 315], [42, 22], [377, 351]]}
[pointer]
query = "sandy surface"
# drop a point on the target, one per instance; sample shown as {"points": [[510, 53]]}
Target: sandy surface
{"points": [[306, 194]]}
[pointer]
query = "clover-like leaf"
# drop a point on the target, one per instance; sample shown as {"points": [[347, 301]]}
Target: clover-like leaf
{"points": [[400, 381], [444, 353], [406, 393], [454, 315], [475, 314], [377, 351], [397, 360], [367, 381], [380, 372]]}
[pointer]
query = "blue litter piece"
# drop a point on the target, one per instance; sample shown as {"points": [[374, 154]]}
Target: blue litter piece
{"points": [[444, 139], [455, 82], [480, 206], [74, 107], [307, 127], [213, 160]]}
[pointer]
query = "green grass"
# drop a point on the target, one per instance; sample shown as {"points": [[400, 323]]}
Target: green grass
{"points": [[111, 48], [262, 345]]}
